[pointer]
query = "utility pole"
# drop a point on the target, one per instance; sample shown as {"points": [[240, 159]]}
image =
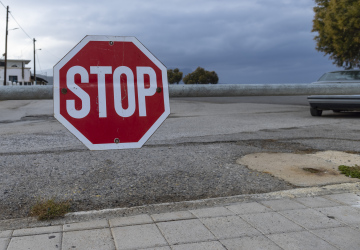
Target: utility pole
{"points": [[34, 64], [6, 36]]}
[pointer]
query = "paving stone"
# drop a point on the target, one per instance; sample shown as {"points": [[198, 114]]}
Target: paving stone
{"points": [[229, 227], [300, 241], [36, 242], [37, 230], [310, 218], [138, 236], [86, 225], [315, 202], [212, 212], [248, 208], [211, 245], [181, 215], [93, 239], [347, 198], [345, 214], [185, 231], [131, 220], [253, 243], [283, 204], [4, 242], [271, 222], [342, 237], [6, 234]]}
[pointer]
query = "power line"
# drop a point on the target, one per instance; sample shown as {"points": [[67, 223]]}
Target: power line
{"points": [[3, 4], [16, 21], [27, 36], [19, 25]]}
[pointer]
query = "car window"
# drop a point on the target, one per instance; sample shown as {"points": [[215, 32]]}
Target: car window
{"points": [[341, 76]]}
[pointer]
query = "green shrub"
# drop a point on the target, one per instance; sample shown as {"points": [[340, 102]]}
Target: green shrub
{"points": [[353, 172]]}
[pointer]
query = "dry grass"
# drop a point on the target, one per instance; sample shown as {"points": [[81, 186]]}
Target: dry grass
{"points": [[50, 209]]}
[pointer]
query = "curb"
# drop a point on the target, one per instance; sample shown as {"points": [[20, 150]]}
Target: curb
{"points": [[178, 206]]}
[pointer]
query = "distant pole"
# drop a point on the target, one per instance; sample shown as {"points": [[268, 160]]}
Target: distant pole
{"points": [[34, 64], [6, 36]]}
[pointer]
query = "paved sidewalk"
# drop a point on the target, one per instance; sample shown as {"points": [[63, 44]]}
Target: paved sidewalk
{"points": [[321, 222]]}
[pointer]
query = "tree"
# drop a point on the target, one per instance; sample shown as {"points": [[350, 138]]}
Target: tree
{"points": [[338, 25], [201, 76], [174, 76]]}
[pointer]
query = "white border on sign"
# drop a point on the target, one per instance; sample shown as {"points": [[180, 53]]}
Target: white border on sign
{"points": [[73, 130]]}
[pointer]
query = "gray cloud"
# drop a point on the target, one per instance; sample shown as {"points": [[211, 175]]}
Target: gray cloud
{"points": [[244, 41]]}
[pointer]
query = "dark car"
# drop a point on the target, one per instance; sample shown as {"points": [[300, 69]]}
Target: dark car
{"points": [[336, 103]]}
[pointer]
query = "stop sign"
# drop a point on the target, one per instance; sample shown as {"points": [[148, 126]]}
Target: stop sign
{"points": [[111, 92]]}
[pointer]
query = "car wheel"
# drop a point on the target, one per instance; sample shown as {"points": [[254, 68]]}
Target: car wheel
{"points": [[315, 112]]}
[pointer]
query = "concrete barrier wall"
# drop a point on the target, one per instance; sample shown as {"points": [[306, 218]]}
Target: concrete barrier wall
{"points": [[263, 90], [46, 92], [26, 92]]}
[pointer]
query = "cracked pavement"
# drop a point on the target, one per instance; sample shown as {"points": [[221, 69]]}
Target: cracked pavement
{"points": [[191, 156]]}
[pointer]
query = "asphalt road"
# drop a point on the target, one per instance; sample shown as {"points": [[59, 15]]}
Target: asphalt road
{"points": [[191, 156]]}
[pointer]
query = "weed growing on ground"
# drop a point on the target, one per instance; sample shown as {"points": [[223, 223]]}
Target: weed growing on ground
{"points": [[50, 209], [312, 170], [353, 172]]}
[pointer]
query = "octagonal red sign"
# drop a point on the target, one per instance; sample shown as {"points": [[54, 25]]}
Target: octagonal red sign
{"points": [[111, 92]]}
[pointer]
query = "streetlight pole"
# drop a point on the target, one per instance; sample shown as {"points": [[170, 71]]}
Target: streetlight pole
{"points": [[34, 64], [6, 36]]}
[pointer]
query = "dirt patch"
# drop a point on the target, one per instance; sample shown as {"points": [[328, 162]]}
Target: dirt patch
{"points": [[320, 168]]}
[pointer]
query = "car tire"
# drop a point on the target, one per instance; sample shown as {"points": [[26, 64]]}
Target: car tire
{"points": [[315, 112]]}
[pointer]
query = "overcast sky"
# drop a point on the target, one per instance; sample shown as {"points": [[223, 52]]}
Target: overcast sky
{"points": [[244, 41]]}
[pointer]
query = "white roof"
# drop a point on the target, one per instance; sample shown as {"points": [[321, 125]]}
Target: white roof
{"points": [[26, 61]]}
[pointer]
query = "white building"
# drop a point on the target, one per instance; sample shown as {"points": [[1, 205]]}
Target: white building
{"points": [[16, 72]]}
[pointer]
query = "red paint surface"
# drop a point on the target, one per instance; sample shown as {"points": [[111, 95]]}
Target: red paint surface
{"points": [[105, 130]]}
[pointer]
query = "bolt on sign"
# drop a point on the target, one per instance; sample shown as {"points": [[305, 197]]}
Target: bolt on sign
{"points": [[111, 92]]}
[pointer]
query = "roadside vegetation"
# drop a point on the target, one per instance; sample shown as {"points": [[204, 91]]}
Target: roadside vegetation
{"points": [[174, 76], [198, 76], [50, 209], [201, 76], [353, 172], [337, 23]]}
